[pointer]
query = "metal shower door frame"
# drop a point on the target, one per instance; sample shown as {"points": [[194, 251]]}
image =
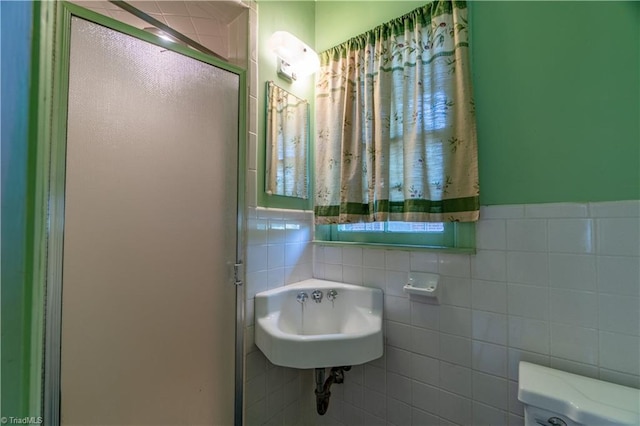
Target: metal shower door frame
{"points": [[53, 57]]}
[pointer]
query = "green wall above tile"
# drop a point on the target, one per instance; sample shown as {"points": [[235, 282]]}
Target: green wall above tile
{"points": [[17, 20], [338, 21], [557, 88], [558, 100]]}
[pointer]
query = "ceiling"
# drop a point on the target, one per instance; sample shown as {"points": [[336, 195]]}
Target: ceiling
{"points": [[203, 21]]}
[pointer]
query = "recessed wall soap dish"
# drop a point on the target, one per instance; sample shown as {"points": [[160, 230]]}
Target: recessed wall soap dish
{"points": [[423, 284]]}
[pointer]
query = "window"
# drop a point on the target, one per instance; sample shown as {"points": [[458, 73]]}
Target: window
{"points": [[455, 235], [417, 227], [396, 140]]}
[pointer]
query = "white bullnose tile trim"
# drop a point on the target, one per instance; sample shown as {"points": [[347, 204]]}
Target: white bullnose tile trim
{"points": [[628, 208], [556, 210], [507, 211], [273, 213], [624, 208]]}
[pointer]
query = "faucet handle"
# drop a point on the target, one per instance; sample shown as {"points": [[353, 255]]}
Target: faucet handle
{"points": [[316, 296], [332, 295], [302, 297]]}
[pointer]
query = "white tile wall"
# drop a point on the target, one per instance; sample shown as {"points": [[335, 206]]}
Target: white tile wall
{"points": [[278, 252], [554, 284]]}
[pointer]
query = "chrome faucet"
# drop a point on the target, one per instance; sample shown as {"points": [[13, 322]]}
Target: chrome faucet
{"points": [[316, 296], [331, 295], [302, 297]]}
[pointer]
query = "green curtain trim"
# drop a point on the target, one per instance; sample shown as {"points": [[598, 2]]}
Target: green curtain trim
{"points": [[397, 26], [453, 205]]}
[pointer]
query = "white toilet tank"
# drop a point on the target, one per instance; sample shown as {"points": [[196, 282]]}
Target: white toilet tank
{"points": [[555, 398]]}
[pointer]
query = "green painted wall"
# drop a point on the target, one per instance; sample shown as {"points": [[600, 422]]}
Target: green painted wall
{"points": [[338, 21], [16, 25], [298, 18], [557, 88]]}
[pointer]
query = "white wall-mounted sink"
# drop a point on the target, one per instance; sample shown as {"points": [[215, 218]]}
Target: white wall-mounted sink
{"points": [[345, 331]]}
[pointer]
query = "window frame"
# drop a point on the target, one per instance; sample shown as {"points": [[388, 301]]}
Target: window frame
{"points": [[457, 236]]}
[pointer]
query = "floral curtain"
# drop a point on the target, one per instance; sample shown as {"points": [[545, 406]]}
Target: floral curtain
{"points": [[287, 127], [395, 123]]}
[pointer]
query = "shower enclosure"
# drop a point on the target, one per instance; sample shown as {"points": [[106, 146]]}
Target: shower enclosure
{"points": [[144, 310]]}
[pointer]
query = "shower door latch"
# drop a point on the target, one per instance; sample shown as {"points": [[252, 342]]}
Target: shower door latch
{"points": [[237, 273]]}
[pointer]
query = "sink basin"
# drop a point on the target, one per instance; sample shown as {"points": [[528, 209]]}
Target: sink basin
{"points": [[342, 332]]}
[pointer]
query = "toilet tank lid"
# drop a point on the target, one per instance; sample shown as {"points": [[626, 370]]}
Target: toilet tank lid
{"points": [[581, 399]]}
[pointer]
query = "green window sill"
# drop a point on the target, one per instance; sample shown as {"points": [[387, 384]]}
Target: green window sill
{"points": [[457, 237], [383, 246]]}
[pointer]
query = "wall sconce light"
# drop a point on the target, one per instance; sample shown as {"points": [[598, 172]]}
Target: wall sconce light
{"points": [[295, 58]]}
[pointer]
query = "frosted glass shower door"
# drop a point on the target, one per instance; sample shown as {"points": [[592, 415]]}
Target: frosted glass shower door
{"points": [[149, 301]]}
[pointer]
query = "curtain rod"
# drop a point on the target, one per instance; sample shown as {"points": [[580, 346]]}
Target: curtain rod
{"points": [[170, 31]]}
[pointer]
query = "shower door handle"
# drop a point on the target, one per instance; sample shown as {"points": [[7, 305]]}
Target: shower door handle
{"points": [[237, 273]]}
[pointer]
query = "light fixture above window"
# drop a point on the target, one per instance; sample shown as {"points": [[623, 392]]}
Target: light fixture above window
{"points": [[295, 58]]}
